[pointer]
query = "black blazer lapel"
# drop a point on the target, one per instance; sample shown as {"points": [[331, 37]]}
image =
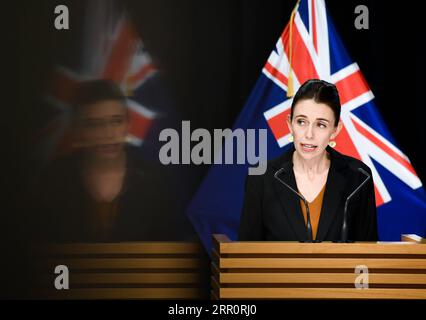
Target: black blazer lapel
{"points": [[334, 193], [289, 201]]}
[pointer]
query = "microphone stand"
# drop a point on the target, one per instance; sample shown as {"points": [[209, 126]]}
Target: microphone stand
{"points": [[344, 234], [308, 215]]}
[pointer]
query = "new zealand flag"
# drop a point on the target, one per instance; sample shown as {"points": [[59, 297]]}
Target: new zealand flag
{"points": [[310, 47]]}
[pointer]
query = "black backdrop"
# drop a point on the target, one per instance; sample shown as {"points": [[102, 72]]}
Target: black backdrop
{"points": [[212, 53]]}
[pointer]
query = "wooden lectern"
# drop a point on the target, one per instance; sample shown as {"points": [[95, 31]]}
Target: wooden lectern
{"points": [[127, 270], [293, 270]]}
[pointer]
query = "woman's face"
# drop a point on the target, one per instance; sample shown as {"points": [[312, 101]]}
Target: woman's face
{"points": [[312, 128], [103, 128]]}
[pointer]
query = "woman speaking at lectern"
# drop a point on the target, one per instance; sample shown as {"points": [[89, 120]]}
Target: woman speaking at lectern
{"points": [[302, 195]]}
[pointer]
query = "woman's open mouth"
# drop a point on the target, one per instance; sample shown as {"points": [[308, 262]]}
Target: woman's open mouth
{"points": [[308, 147]]}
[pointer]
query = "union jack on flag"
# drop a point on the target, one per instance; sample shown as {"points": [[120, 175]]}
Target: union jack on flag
{"points": [[316, 52]]}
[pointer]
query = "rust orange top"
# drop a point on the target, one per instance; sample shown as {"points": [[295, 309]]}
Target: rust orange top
{"points": [[314, 210]]}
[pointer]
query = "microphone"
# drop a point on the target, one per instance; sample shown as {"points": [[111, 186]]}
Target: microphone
{"points": [[308, 215], [344, 234]]}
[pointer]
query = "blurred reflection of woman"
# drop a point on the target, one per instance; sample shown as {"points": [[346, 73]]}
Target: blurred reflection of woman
{"points": [[105, 191]]}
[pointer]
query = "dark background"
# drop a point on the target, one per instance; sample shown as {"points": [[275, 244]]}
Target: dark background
{"points": [[212, 53]]}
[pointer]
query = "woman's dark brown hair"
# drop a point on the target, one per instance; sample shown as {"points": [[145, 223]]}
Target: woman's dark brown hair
{"points": [[321, 92]]}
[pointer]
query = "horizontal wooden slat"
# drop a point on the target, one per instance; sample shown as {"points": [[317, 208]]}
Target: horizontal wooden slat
{"points": [[121, 248], [125, 293], [126, 263], [349, 278], [134, 278], [321, 263], [320, 293], [395, 248]]}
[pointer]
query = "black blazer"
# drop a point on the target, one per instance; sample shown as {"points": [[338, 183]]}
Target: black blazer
{"points": [[272, 212]]}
